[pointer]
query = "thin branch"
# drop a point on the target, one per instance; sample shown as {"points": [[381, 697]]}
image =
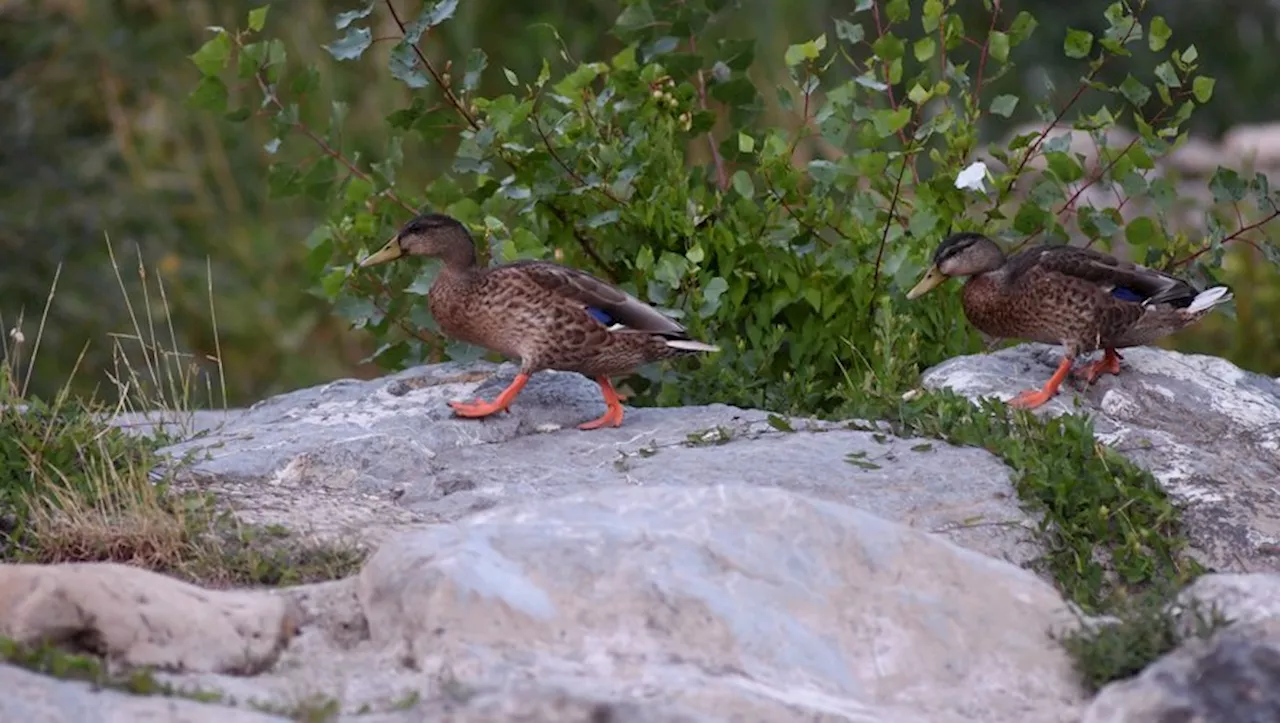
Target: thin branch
{"points": [[884, 237], [546, 141], [722, 175]]}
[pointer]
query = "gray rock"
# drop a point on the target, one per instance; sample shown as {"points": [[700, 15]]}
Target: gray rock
{"points": [[40, 699], [1207, 430], [367, 458], [680, 603], [1234, 676]]}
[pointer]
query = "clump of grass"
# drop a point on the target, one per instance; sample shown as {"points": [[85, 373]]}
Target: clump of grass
{"points": [[1107, 526], [54, 662], [79, 485], [1147, 627]]}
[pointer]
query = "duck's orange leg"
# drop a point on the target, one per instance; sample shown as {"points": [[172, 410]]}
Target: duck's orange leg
{"points": [[481, 408], [1108, 364], [1033, 398], [612, 415]]}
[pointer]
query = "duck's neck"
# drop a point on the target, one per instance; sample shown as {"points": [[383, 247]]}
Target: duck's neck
{"points": [[459, 258]]}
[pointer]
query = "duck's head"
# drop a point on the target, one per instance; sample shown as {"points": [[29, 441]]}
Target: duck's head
{"points": [[962, 254], [430, 234]]}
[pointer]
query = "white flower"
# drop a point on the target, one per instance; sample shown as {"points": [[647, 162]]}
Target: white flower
{"points": [[973, 177], [16, 334]]}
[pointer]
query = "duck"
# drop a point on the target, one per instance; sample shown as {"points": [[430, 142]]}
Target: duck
{"points": [[1082, 299], [547, 315]]}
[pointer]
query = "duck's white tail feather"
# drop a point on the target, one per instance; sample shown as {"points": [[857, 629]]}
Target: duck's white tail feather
{"points": [[691, 345], [1209, 298]]}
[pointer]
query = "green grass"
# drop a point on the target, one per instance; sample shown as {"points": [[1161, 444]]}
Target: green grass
{"points": [[54, 662], [1113, 540], [76, 489]]}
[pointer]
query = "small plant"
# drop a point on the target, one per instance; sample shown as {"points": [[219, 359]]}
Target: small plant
{"points": [[54, 662], [1149, 626], [76, 485], [1107, 526]]}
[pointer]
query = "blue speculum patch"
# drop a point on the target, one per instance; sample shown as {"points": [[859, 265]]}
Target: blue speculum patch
{"points": [[600, 316], [1126, 294]]}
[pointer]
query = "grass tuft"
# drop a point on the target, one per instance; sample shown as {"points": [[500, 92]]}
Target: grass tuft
{"points": [[79, 488], [1146, 628]]}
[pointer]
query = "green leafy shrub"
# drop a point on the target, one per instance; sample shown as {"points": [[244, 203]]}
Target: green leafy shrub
{"points": [[779, 218]]}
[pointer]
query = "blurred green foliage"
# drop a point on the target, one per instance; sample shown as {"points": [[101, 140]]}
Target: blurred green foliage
{"points": [[100, 137]]}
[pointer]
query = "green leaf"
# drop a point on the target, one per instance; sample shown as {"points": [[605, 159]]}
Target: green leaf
{"points": [[998, 46], [918, 94], [887, 122], [932, 15], [1202, 88], [1135, 92], [212, 57], [898, 10], [603, 219], [888, 47], [1227, 185], [1158, 34], [403, 65], [422, 282], [808, 51], [1168, 75], [851, 33], [1078, 43], [636, 16], [924, 48], [258, 18], [1004, 105], [346, 18], [209, 94], [1142, 232], [477, 61], [510, 76], [1022, 27], [352, 45], [741, 181]]}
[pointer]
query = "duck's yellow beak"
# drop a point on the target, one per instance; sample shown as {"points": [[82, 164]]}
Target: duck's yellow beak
{"points": [[390, 252], [932, 279]]}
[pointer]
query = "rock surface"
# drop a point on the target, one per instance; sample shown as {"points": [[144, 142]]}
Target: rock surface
{"points": [[368, 458], [1207, 430], [696, 565], [140, 618], [673, 603], [36, 698], [1233, 676]]}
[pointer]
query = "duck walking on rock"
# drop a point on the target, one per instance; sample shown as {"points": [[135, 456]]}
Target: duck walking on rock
{"points": [[1082, 299], [547, 315]]}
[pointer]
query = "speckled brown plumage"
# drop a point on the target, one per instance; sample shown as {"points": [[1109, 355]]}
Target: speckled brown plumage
{"points": [[547, 315], [1083, 299]]}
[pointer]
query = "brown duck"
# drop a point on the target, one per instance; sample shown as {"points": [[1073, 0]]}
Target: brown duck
{"points": [[547, 315], [1082, 299]]}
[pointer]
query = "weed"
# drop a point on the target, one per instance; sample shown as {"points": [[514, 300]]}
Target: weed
{"points": [[1147, 627], [1107, 525], [81, 489], [51, 661]]}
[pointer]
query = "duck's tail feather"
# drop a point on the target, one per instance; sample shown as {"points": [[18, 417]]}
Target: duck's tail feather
{"points": [[1209, 298], [691, 345]]}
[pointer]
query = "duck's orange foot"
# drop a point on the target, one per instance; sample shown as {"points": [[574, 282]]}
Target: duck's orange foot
{"points": [[613, 414], [481, 408], [1033, 398], [1108, 364], [477, 408]]}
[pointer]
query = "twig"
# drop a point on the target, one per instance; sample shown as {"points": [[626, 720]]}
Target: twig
{"points": [[546, 141], [1237, 235], [884, 237], [722, 175]]}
